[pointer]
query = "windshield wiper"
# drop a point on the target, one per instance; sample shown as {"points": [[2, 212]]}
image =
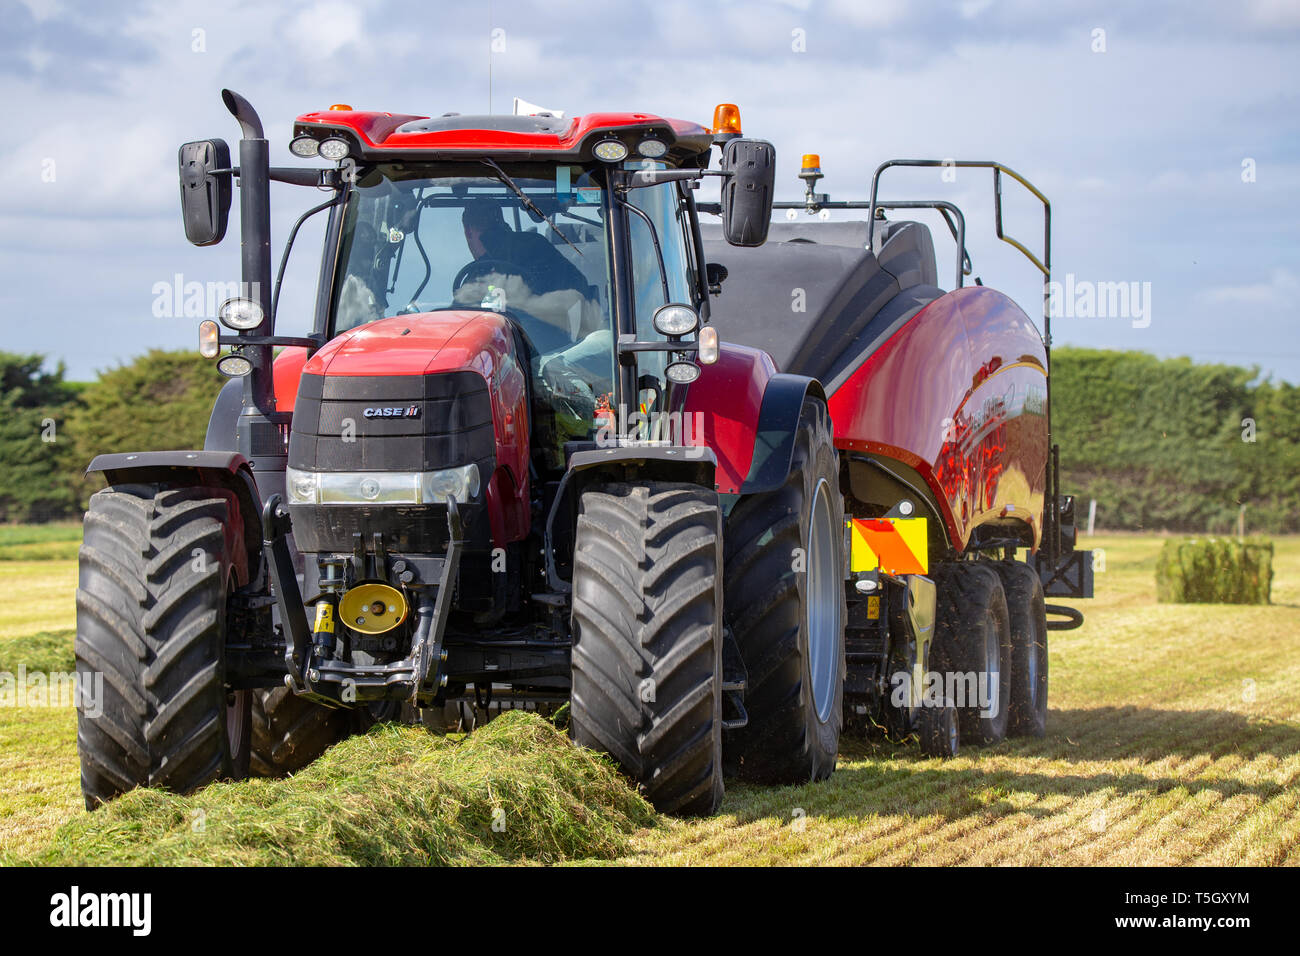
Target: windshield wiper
{"points": [[527, 203]]}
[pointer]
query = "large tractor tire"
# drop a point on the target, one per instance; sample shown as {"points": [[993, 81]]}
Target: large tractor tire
{"points": [[785, 606], [647, 638], [1028, 616], [972, 648], [157, 566], [289, 731]]}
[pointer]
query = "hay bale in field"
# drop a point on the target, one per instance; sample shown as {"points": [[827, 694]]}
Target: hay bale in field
{"points": [[1215, 571]]}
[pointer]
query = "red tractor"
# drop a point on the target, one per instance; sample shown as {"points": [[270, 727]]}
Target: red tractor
{"points": [[513, 464]]}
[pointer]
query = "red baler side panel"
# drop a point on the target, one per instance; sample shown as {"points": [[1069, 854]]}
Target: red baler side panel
{"points": [[959, 394], [727, 398], [453, 341]]}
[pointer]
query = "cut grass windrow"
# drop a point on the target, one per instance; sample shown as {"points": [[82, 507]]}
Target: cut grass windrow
{"points": [[516, 790]]}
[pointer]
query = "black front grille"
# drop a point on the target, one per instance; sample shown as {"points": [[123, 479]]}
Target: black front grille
{"points": [[393, 423], [339, 422]]}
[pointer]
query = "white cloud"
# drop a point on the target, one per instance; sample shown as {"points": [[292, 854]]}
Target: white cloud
{"points": [[869, 13], [1279, 290], [322, 30], [1273, 13], [43, 9], [970, 9]]}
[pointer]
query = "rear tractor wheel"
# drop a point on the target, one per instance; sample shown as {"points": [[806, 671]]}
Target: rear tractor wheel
{"points": [[785, 605], [289, 731]]}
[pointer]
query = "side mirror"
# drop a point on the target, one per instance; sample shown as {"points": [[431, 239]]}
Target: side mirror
{"points": [[747, 192], [205, 196], [716, 274]]}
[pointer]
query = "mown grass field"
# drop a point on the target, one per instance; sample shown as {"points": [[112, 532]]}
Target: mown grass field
{"points": [[1173, 738]]}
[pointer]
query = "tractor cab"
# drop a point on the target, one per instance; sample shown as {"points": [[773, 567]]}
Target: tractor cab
{"points": [[581, 233]]}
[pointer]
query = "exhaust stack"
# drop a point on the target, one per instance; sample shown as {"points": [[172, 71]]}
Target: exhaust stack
{"points": [[258, 434]]}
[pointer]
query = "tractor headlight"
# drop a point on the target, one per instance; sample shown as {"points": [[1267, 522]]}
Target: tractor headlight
{"points": [[305, 146], [440, 485], [675, 319], [334, 149], [381, 487], [651, 148], [682, 373], [240, 314], [234, 366], [303, 486], [610, 151]]}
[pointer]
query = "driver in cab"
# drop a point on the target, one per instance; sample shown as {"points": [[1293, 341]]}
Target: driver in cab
{"points": [[525, 273]]}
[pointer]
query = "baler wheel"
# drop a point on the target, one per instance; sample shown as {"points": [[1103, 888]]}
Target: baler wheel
{"points": [[785, 605], [939, 731], [1028, 614], [156, 571], [647, 638], [973, 642]]}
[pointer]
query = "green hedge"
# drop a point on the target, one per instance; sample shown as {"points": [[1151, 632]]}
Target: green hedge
{"points": [[1172, 445], [1215, 571]]}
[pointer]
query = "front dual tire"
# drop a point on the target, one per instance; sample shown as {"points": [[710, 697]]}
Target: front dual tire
{"points": [[647, 638], [157, 567]]}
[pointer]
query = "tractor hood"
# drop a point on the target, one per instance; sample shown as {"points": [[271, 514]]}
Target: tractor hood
{"points": [[419, 344], [416, 393]]}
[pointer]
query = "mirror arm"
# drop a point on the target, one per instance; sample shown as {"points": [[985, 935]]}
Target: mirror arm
{"points": [[653, 177], [310, 342], [294, 175]]}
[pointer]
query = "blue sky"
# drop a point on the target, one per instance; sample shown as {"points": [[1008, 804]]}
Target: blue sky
{"points": [[1146, 136]]}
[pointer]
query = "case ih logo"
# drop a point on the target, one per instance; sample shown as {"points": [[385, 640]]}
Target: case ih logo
{"points": [[410, 411]]}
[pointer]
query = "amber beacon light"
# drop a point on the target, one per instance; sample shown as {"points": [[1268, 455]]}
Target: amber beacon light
{"points": [[726, 119]]}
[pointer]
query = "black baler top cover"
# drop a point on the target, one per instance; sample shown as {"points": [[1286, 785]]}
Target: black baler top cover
{"points": [[815, 299]]}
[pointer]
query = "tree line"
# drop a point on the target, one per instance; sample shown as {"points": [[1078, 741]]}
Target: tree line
{"points": [[1161, 444], [51, 428], [1168, 444]]}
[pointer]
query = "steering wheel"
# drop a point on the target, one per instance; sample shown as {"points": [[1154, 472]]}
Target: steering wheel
{"points": [[481, 267]]}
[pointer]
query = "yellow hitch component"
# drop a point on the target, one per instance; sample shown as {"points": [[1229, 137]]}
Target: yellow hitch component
{"points": [[893, 545], [324, 618], [372, 608]]}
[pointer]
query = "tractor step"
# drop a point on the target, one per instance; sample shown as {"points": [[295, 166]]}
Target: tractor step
{"points": [[733, 701], [735, 680]]}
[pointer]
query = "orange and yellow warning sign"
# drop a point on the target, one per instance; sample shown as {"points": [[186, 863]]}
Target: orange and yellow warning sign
{"points": [[892, 545]]}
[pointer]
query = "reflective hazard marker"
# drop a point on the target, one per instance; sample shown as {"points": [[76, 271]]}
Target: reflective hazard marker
{"points": [[892, 545]]}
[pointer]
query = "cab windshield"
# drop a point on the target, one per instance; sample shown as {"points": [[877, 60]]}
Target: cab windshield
{"points": [[429, 238]]}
